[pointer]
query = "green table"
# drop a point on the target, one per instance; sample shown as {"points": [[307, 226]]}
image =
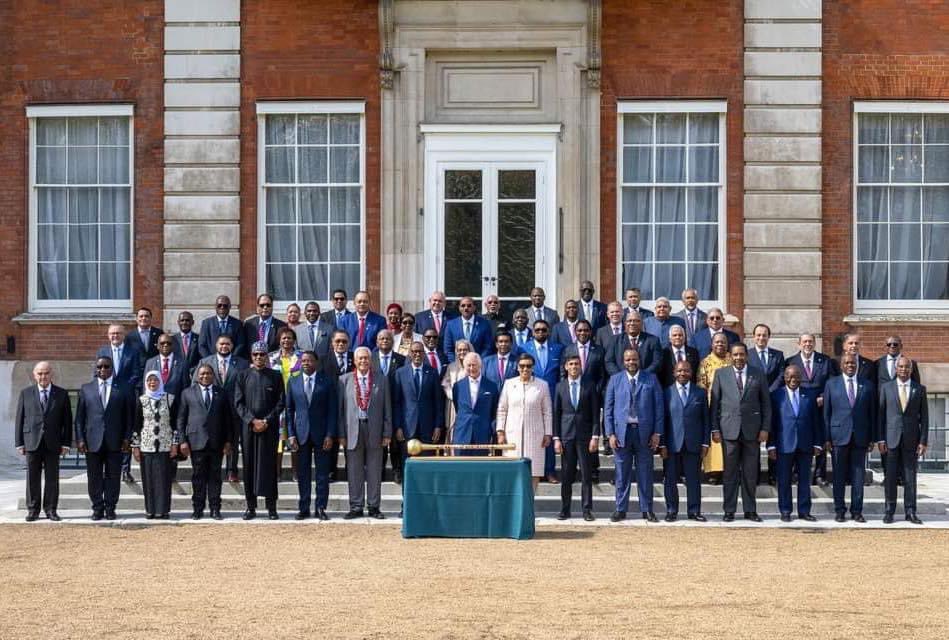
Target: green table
{"points": [[467, 499]]}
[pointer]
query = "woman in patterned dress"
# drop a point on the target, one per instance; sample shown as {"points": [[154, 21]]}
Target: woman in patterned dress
{"points": [[286, 360], [714, 462], [155, 442]]}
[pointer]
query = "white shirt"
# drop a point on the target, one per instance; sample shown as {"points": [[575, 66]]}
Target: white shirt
{"points": [[474, 384]]}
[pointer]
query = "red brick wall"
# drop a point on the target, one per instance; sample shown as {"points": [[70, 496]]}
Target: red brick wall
{"points": [[77, 51], [654, 49], [873, 49], [301, 50]]}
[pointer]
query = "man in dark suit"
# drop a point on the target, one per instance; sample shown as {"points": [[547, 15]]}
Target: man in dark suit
{"points": [[501, 365], [185, 342], [885, 369], [741, 417], [662, 322], [103, 431], [546, 356], [766, 359], [435, 317], [796, 437], [363, 325], [334, 317], [693, 316], [903, 435], [593, 311], [386, 362], [170, 366], [43, 433], [613, 328], [715, 323], [537, 310], [634, 421], [647, 345], [264, 327], [492, 313], [520, 331], [144, 336], [227, 368], [592, 373], [468, 326], [685, 441], [576, 423], [208, 426], [849, 427], [633, 296], [866, 368], [565, 331], [474, 422], [128, 359], [222, 323], [337, 363], [314, 333], [434, 357], [677, 351], [312, 414]]}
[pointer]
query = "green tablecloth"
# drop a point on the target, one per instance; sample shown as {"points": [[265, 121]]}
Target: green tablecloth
{"points": [[467, 499]]}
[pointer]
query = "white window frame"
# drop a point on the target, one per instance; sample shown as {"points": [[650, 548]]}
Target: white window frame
{"points": [[888, 307], [65, 307], [720, 107], [290, 107]]}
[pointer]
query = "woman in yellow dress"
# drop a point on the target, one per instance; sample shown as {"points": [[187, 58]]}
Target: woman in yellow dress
{"points": [[286, 360], [714, 462]]}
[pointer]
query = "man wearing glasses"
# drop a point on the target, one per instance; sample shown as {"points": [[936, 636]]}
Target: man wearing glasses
{"points": [[264, 327], [334, 317], [221, 324]]}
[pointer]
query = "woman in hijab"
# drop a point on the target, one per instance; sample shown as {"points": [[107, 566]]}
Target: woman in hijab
{"points": [[155, 441]]}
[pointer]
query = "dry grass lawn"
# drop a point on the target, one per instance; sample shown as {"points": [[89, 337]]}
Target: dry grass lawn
{"points": [[360, 581]]}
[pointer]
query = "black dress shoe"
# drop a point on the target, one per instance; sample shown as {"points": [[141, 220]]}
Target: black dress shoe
{"points": [[53, 516], [110, 514], [164, 516], [197, 514], [149, 516], [321, 515], [649, 516], [400, 514], [753, 516], [858, 517], [32, 516], [888, 518], [216, 514], [353, 514], [375, 513], [841, 518], [671, 516], [595, 477], [785, 517], [698, 517], [249, 514], [397, 477], [127, 477], [272, 514], [563, 515], [911, 517], [302, 515], [616, 516], [728, 517], [588, 516], [607, 451], [97, 515], [807, 517]]}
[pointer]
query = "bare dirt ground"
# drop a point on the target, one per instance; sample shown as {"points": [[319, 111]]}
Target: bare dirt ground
{"points": [[367, 582]]}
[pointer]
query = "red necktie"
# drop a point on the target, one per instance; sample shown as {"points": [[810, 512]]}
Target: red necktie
{"points": [[261, 334], [438, 323], [583, 357], [362, 331], [432, 361], [164, 370], [184, 343]]}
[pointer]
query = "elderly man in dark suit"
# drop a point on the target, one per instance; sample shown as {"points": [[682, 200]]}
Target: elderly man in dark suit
{"points": [[714, 323], [435, 317], [677, 351], [741, 417], [264, 326], [103, 431], [576, 425], [613, 328], [468, 326], [208, 425], [227, 366], [128, 364], [186, 342], [646, 344], [903, 435], [222, 323], [43, 433], [662, 322]]}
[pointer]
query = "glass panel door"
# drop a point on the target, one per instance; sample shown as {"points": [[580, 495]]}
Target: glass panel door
{"points": [[516, 237], [464, 222]]}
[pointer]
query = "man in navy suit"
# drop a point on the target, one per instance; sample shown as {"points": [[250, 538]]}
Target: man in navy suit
{"points": [[221, 323], [435, 317], [903, 434], [647, 345], [502, 365], [885, 369], [613, 328], [127, 370], [546, 354], [766, 359], [144, 336], [593, 311], [634, 421], [170, 366], [685, 441], [476, 406], [693, 316], [185, 342], [312, 412], [576, 425], [632, 296], [226, 366], [796, 437], [334, 317], [660, 323], [520, 332], [264, 327], [866, 368], [816, 369], [565, 331], [715, 323], [103, 431], [363, 325], [468, 326], [593, 371], [434, 357], [537, 310], [676, 352], [849, 428]]}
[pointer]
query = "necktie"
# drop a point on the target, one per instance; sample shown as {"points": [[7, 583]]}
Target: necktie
{"points": [[904, 396], [573, 332], [438, 322], [164, 370], [575, 393], [118, 360], [222, 326], [615, 330], [341, 363], [807, 369], [207, 397], [795, 403], [44, 399], [418, 382], [385, 365], [361, 334], [763, 356], [891, 365], [313, 335], [683, 395], [103, 394], [583, 357], [144, 335], [680, 355], [432, 360], [741, 386], [542, 356], [339, 318], [467, 329], [309, 388], [537, 314], [851, 395], [262, 331], [691, 322], [632, 398], [185, 340], [501, 367], [222, 370]]}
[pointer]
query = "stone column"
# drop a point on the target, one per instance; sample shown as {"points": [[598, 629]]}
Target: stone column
{"points": [[202, 155], [782, 150]]}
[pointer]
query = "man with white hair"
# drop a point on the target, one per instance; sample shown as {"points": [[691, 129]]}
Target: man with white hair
{"points": [[476, 405], [659, 324]]}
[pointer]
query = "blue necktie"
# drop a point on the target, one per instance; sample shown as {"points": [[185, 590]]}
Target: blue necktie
{"points": [[795, 403], [418, 383], [683, 395], [542, 357], [223, 324], [575, 393]]}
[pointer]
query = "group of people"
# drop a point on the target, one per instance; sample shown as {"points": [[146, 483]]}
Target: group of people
{"points": [[606, 379]]}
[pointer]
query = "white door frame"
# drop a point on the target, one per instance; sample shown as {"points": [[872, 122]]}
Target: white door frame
{"points": [[530, 146]]}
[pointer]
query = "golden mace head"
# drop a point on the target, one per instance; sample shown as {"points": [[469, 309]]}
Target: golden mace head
{"points": [[414, 447]]}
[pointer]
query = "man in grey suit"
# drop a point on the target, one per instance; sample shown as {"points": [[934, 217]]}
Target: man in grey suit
{"points": [[537, 310], [693, 316], [903, 435], [314, 334], [365, 421], [741, 416]]}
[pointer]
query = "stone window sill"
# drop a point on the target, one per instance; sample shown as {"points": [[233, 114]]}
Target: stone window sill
{"points": [[931, 319], [75, 318]]}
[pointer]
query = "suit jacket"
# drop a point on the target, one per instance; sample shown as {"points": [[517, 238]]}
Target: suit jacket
{"points": [[104, 428], [551, 372], [688, 427], [581, 423], [881, 372], [474, 424], [380, 411], [702, 341], [314, 419], [322, 332], [660, 328], [843, 422], [650, 407], [517, 346], [822, 369], [374, 324], [134, 340], [330, 365], [792, 433], [235, 366], [643, 313], [650, 353], [595, 370], [482, 339], [442, 361], [178, 377], [909, 427], [604, 336], [207, 428], [329, 318], [489, 368], [396, 360], [774, 372], [598, 318], [52, 427], [211, 331], [547, 314], [251, 326], [130, 369], [424, 320], [560, 333], [740, 415], [418, 412], [193, 357], [667, 364], [700, 317]]}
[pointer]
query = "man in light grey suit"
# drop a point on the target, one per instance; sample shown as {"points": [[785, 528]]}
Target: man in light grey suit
{"points": [[365, 421], [741, 416], [314, 334], [537, 310], [693, 316]]}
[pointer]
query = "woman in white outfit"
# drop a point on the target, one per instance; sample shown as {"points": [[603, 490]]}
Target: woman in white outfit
{"points": [[525, 416]]}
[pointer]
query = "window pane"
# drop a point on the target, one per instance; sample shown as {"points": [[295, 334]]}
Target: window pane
{"points": [[50, 243], [703, 164], [113, 165], [313, 131], [670, 280], [637, 242], [637, 128], [906, 129], [935, 204], [873, 128], [114, 204], [904, 204], [936, 127], [636, 203], [872, 242], [670, 204], [670, 164], [281, 281], [281, 205], [280, 129], [937, 164], [83, 242], [344, 129], [703, 242], [51, 131], [82, 131], [670, 243], [51, 281], [313, 282], [871, 204], [314, 205], [314, 243], [874, 164], [704, 277], [905, 280], [345, 243], [670, 128], [703, 127], [83, 206], [281, 244], [83, 281], [462, 185], [936, 242], [51, 165], [907, 163], [114, 131], [344, 164], [462, 251], [637, 164], [872, 281], [344, 204], [313, 165], [115, 241], [114, 278], [936, 280], [517, 185], [638, 275], [703, 204], [280, 164], [905, 242], [516, 248], [51, 205], [344, 276]]}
